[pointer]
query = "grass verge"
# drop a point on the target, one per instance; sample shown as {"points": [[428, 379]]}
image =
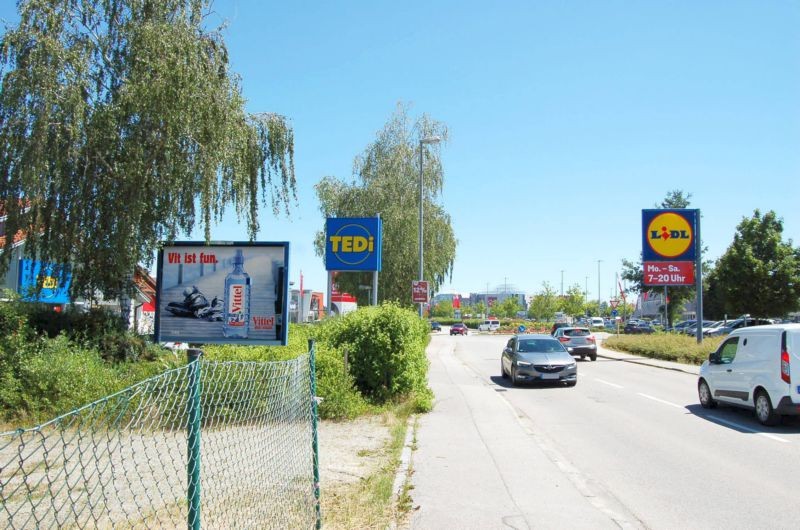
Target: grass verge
{"points": [[665, 346], [369, 503]]}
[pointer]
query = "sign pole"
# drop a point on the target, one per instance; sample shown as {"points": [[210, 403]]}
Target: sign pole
{"points": [[699, 275], [330, 291], [375, 288]]}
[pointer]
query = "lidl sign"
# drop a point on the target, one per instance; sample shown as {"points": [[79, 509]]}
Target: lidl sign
{"points": [[669, 235], [353, 244]]}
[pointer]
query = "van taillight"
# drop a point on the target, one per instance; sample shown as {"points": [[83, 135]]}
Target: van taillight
{"points": [[785, 366]]}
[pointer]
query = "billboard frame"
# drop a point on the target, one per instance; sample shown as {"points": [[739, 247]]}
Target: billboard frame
{"points": [[270, 328]]}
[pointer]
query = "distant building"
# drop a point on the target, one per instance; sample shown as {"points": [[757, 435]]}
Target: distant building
{"points": [[651, 305], [141, 308], [308, 308], [491, 298]]}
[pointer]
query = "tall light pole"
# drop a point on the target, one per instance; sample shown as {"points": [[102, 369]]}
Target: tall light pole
{"points": [[562, 282], [598, 284], [586, 290], [423, 141]]}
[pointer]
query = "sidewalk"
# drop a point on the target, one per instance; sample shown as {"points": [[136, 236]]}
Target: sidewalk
{"points": [[480, 463], [647, 361]]}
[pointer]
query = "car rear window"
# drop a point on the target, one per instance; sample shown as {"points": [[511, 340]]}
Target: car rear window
{"points": [[577, 332], [540, 345]]}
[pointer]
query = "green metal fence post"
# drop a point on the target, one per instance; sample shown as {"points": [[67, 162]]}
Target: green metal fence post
{"points": [[314, 419], [195, 413]]}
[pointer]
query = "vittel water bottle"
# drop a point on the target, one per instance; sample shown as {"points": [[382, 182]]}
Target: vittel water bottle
{"points": [[237, 300]]}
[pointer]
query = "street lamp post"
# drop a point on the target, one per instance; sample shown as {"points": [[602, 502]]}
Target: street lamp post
{"points": [[598, 284], [426, 140]]}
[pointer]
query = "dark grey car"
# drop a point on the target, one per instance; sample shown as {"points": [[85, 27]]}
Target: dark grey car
{"points": [[537, 359]]}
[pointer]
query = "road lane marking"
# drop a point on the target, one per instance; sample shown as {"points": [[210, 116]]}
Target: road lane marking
{"points": [[748, 429], [608, 383], [662, 401]]}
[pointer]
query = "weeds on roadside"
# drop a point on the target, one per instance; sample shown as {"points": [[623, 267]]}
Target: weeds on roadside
{"points": [[369, 503]]}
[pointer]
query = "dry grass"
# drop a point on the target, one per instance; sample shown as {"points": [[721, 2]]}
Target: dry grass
{"points": [[369, 503]]}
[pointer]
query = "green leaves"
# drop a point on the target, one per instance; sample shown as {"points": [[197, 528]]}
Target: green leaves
{"points": [[759, 273], [120, 124], [386, 182]]}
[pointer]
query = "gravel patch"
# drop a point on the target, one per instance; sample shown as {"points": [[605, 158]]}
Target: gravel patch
{"points": [[352, 450]]}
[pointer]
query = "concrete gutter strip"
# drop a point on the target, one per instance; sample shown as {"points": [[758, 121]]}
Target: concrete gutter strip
{"points": [[401, 476]]}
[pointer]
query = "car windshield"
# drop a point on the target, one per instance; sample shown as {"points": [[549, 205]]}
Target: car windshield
{"points": [[539, 345]]}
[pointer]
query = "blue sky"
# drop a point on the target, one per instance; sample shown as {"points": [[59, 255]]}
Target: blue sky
{"points": [[566, 119]]}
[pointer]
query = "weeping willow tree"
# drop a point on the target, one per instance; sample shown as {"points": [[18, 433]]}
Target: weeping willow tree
{"points": [[386, 182], [121, 125]]}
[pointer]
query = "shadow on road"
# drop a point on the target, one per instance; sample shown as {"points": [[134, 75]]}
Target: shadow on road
{"points": [[742, 420], [506, 384]]}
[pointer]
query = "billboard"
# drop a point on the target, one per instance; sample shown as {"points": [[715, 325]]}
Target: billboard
{"points": [[54, 282], [223, 293], [353, 244]]}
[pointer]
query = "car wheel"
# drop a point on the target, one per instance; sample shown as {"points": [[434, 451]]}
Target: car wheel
{"points": [[514, 376], [764, 412], [583, 357], [704, 393], [572, 383], [503, 373], [593, 356]]}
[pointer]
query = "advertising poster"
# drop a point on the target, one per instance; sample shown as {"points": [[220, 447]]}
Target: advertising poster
{"points": [[223, 293]]}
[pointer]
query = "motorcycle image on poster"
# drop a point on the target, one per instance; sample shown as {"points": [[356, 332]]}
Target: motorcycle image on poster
{"points": [[230, 293]]}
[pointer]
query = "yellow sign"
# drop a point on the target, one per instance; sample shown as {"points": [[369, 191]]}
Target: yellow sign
{"points": [[669, 234]]}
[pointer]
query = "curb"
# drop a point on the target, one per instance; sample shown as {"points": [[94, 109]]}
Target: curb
{"points": [[401, 477], [645, 361]]}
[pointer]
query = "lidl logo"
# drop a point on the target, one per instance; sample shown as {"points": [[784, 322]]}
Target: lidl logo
{"points": [[353, 244], [668, 234]]}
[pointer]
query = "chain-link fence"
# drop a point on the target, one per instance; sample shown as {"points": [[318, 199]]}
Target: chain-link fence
{"points": [[222, 444]]}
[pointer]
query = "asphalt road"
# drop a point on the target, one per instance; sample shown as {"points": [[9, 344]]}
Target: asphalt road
{"points": [[628, 447]]}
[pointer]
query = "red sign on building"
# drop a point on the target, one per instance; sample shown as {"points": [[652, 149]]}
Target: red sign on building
{"points": [[419, 292], [669, 273]]}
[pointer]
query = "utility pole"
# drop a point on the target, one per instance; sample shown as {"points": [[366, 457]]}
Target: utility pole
{"points": [[562, 282], [598, 284]]}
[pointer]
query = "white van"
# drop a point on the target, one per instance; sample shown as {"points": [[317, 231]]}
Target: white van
{"points": [[597, 322], [489, 325], [752, 368]]}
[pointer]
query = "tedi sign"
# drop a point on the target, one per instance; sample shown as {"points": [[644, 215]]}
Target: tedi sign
{"points": [[353, 244], [669, 246]]}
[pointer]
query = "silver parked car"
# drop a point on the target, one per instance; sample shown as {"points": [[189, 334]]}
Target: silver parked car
{"points": [[578, 341], [537, 359]]}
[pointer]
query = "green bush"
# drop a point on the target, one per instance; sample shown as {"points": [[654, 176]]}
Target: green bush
{"points": [[340, 398], [386, 352], [665, 346], [97, 328], [44, 375]]}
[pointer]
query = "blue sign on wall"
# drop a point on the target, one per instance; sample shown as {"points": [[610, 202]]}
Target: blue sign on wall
{"points": [[353, 244], [54, 286]]}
